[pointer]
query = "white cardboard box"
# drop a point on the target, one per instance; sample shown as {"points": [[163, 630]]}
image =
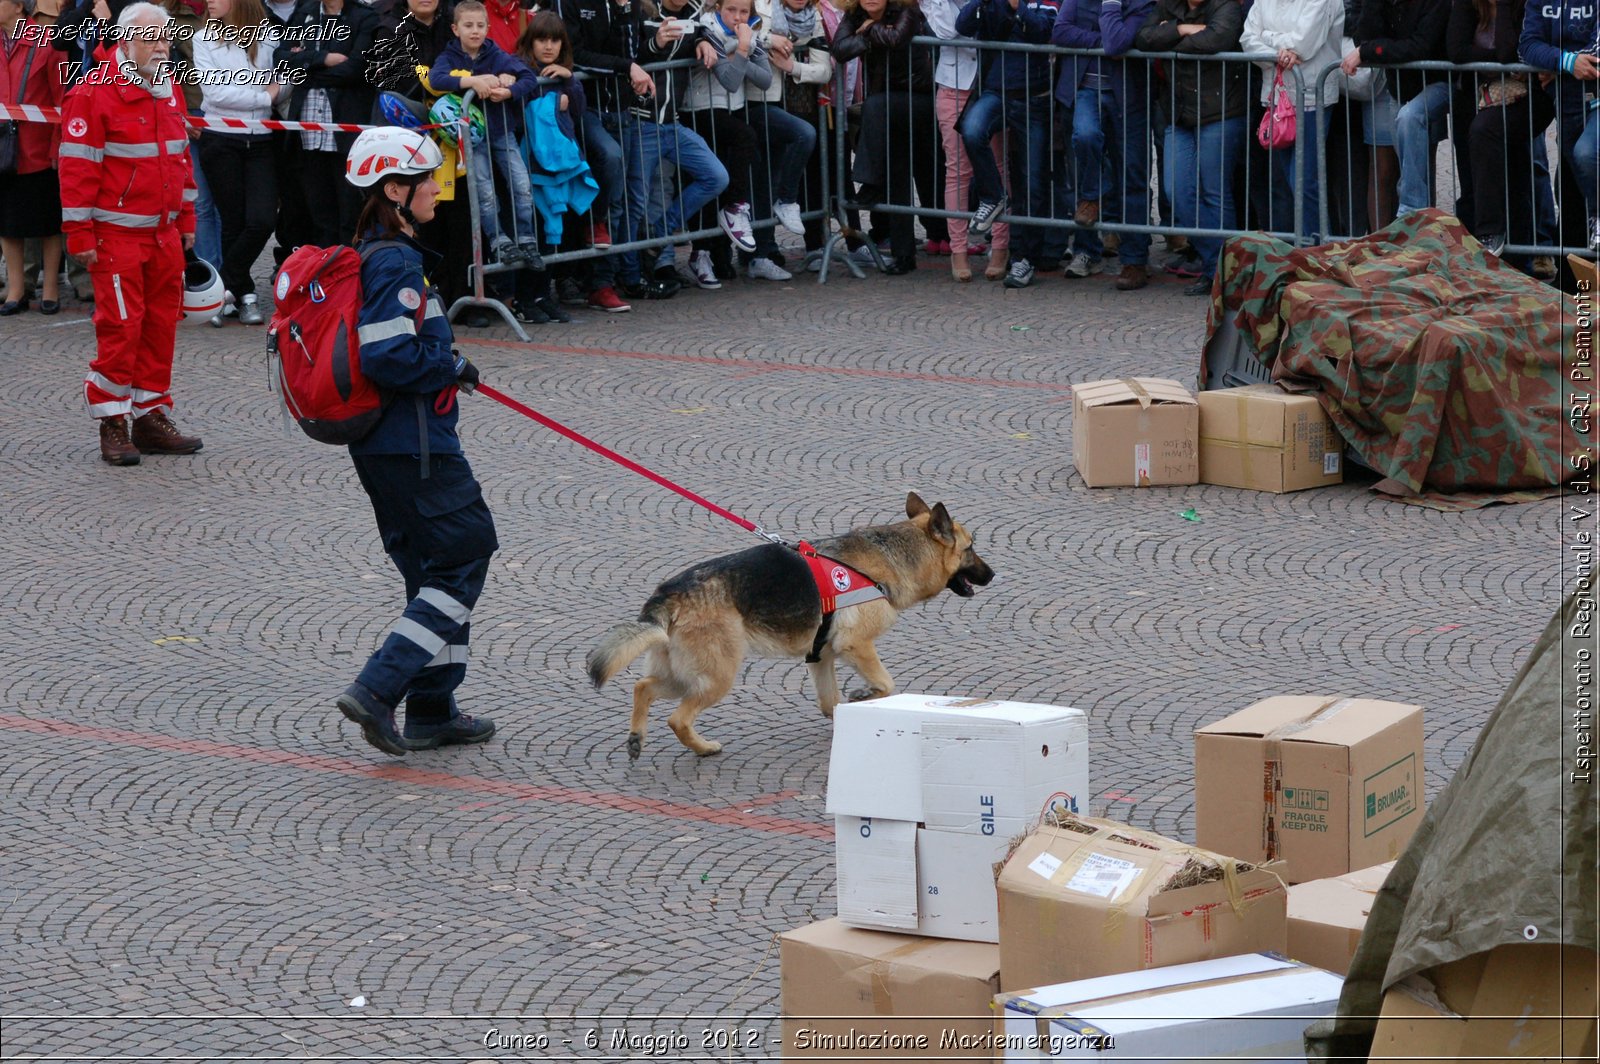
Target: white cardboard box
{"points": [[958, 764], [927, 792], [1256, 1006]]}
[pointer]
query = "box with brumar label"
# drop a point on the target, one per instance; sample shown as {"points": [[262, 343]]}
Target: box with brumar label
{"points": [[1325, 785], [927, 792]]}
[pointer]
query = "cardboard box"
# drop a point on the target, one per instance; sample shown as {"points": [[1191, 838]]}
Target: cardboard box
{"points": [[972, 765], [1135, 432], [1528, 1000], [1095, 897], [1327, 916], [1326, 785], [1254, 1006], [846, 992], [1263, 438], [927, 791]]}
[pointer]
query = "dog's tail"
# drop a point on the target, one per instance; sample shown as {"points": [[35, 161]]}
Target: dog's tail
{"points": [[620, 646]]}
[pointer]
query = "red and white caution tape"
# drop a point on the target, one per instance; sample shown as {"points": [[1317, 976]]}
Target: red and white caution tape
{"points": [[29, 113]]}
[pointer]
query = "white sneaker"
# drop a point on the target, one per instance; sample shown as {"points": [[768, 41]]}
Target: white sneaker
{"points": [[735, 221], [229, 306], [249, 313], [764, 269], [788, 215], [704, 274], [1084, 264]]}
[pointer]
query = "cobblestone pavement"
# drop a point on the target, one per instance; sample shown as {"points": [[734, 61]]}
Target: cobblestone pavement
{"points": [[202, 859]]}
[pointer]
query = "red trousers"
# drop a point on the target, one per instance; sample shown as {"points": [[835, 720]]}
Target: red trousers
{"points": [[138, 300]]}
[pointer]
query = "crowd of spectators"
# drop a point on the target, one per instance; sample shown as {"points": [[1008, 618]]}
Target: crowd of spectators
{"points": [[576, 145]]}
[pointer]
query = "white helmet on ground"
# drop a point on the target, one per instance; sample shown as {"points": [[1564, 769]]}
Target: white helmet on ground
{"points": [[202, 290], [390, 152]]}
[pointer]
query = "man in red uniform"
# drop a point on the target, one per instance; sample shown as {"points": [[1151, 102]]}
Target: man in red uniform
{"points": [[127, 208]]}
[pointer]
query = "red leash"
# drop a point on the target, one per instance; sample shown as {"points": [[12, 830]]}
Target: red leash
{"points": [[627, 463]]}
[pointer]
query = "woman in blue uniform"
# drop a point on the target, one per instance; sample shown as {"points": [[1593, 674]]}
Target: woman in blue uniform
{"points": [[435, 525]]}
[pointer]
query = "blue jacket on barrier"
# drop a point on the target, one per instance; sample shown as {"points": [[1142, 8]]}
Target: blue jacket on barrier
{"points": [[405, 349], [1109, 25], [454, 64], [1030, 23], [1553, 33], [561, 178]]}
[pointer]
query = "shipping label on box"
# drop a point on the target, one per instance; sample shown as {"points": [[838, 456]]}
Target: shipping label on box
{"points": [[1135, 432], [1263, 438], [1340, 783], [1095, 897]]}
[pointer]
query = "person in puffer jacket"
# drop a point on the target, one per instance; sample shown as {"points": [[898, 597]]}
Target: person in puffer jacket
{"points": [[127, 210], [431, 516], [1563, 36]]}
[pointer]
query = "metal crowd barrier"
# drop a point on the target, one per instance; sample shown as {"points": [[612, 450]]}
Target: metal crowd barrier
{"points": [[1530, 168], [625, 221]]}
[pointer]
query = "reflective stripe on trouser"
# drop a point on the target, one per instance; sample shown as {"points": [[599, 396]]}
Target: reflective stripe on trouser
{"points": [[138, 297], [439, 534]]}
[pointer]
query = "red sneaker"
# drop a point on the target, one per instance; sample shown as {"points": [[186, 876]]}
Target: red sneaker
{"points": [[606, 299], [599, 235]]}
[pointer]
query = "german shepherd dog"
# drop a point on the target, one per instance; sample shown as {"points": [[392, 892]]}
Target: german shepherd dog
{"points": [[699, 625]]}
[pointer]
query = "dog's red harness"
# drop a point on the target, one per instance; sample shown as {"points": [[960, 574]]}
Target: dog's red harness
{"points": [[839, 586]]}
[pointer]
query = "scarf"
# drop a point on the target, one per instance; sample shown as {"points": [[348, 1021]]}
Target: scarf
{"points": [[798, 26]]}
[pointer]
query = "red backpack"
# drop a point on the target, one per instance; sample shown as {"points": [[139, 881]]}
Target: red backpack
{"points": [[316, 355]]}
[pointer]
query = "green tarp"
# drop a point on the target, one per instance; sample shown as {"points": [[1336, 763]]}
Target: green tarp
{"points": [[1440, 366]]}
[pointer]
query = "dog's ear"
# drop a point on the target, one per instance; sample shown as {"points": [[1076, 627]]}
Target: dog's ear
{"points": [[941, 527], [915, 507]]}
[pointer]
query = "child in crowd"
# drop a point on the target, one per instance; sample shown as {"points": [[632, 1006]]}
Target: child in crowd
{"points": [[474, 62], [714, 107], [804, 68], [546, 48]]}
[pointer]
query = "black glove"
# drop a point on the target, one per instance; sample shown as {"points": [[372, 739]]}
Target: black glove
{"points": [[466, 374]]}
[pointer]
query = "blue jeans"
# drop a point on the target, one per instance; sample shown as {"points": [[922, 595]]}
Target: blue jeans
{"points": [[1199, 175], [508, 157], [1027, 123], [1285, 182], [1091, 171], [207, 219], [786, 143], [604, 156], [647, 145], [1586, 161], [1128, 159], [1419, 128]]}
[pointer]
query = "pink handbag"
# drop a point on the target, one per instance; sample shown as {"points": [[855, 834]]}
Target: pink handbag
{"points": [[1277, 125]]}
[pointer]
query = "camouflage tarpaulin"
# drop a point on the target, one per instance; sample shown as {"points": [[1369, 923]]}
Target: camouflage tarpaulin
{"points": [[1439, 365]]}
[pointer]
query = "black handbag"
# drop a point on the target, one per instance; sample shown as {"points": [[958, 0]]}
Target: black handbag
{"points": [[11, 132]]}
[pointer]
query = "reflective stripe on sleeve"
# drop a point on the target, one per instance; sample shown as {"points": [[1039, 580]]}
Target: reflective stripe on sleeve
{"points": [[69, 150], [383, 330]]}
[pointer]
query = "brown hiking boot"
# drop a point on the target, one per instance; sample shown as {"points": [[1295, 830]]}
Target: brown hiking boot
{"points": [[1088, 212], [154, 433], [115, 447], [1130, 279]]}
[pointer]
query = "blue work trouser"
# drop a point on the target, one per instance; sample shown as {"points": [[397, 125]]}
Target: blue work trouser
{"points": [[439, 533]]}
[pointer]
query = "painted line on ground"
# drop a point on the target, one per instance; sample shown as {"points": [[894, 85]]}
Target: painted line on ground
{"points": [[397, 772], [761, 365]]}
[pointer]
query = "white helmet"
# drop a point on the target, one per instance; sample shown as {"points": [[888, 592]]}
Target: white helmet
{"points": [[390, 151], [202, 290]]}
